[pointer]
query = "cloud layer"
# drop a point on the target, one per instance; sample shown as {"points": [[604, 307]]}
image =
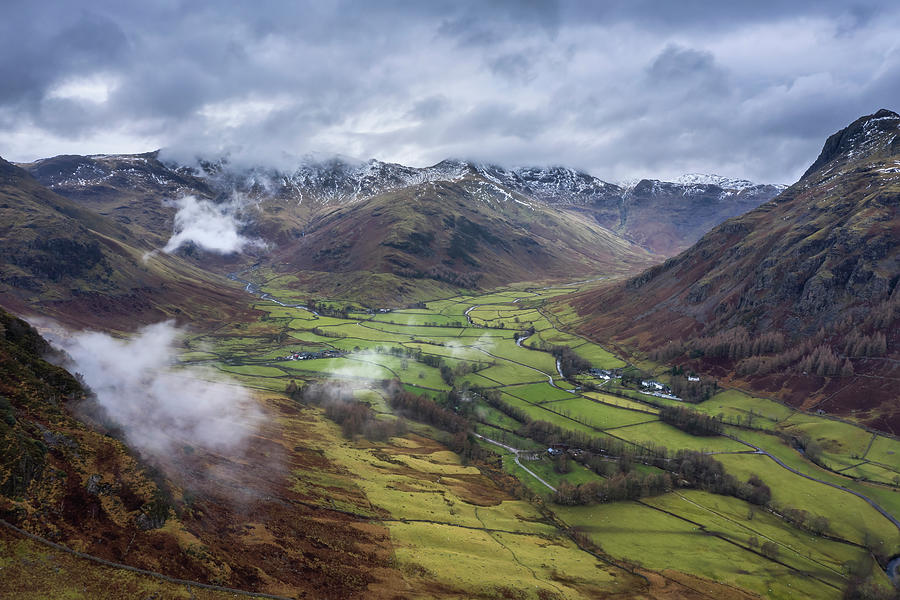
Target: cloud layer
{"points": [[622, 89], [157, 406]]}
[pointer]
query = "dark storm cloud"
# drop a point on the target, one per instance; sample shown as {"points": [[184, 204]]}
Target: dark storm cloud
{"points": [[36, 55], [623, 89]]}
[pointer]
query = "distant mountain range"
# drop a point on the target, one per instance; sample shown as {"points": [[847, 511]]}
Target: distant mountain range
{"points": [[798, 297], [662, 217], [371, 229]]}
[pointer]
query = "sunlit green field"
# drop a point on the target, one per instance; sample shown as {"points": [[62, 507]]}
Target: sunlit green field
{"points": [[474, 339], [602, 416]]}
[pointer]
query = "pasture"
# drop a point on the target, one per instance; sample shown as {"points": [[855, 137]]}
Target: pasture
{"points": [[440, 512]]}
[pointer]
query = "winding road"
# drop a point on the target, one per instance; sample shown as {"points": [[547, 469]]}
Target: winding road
{"points": [[515, 452], [547, 375], [781, 463]]}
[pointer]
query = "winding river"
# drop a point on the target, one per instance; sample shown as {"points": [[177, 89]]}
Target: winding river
{"points": [[252, 288]]}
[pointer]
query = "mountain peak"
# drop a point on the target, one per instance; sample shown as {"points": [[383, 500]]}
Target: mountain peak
{"points": [[713, 179], [885, 113], [866, 137]]}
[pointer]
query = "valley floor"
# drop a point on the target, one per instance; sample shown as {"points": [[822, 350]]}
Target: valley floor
{"points": [[432, 526]]}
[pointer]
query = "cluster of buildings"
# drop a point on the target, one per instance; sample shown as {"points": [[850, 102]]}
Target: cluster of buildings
{"points": [[311, 355], [606, 374], [655, 388], [560, 449]]}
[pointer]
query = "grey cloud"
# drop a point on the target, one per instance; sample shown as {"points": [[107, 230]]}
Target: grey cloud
{"points": [[623, 89], [428, 108], [704, 15], [515, 66], [35, 58], [677, 66]]}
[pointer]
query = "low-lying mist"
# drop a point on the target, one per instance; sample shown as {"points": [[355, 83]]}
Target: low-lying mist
{"points": [[158, 406]]}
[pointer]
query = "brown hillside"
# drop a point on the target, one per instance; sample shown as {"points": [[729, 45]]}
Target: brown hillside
{"points": [[60, 259], [465, 233], [798, 298]]}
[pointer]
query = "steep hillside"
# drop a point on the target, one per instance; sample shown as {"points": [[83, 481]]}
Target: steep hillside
{"points": [[798, 297], [130, 189], [66, 475], [667, 217], [661, 216], [468, 233], [59, 258]]}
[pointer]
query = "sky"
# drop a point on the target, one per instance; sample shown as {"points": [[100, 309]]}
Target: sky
{"points": [[623, 90]]}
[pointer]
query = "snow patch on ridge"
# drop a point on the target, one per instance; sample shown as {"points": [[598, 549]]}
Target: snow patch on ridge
{"points": [[713, 179]]}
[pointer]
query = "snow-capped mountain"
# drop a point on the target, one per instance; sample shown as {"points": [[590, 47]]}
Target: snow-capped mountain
{"points": [[664, 217], [727, 183]]}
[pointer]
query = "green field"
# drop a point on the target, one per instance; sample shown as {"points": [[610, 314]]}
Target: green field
{"points": [[540, 412], [539, 393], [599, 415], [419, 318], [850, 517], [658, 433], [841, 442], [619, 401], [258, 371], [886, 452], [654, 532], [755, 411], [657, 540]]}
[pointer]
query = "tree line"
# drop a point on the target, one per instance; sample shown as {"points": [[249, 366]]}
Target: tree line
{"points": [[424, 409], [355, 417], [694, 392], [689, 468], [570, 364], [733, 344], [621, 486], [691, 421], [326, 310], [825, 353]]}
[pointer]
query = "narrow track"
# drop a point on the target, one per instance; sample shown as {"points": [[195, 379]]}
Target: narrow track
{"points": [[515, 453]]}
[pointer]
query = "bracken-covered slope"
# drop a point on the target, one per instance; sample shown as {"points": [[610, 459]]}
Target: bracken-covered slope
{"points": [[798, 296], [59, 258], [667, 217]]}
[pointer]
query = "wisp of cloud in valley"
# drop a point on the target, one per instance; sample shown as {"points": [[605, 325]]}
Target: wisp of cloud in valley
{"points": [[158, 406]]}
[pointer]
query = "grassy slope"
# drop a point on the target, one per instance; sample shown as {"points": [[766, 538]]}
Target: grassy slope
{"points": [[48, 460]]}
